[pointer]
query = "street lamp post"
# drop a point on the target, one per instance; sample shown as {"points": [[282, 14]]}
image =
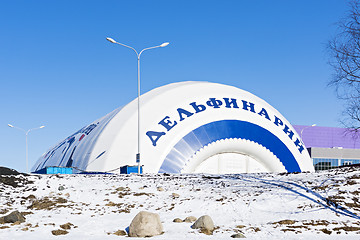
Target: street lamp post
{"points": [[138, 100], [26, 137], [301, 133]]}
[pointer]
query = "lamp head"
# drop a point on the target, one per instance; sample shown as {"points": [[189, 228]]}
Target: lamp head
{"points": [[41, 126], [164, 44], [10, 125], [313, 125], [111, 40]]}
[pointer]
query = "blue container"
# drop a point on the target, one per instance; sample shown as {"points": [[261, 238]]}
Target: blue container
{"points": [[130, 169], [55, 170]]}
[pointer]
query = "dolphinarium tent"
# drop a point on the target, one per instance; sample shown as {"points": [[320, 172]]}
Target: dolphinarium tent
{"points": [[186, 127]]}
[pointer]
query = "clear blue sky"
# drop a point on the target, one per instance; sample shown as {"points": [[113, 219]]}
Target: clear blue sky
{"points": [[57, 69]]}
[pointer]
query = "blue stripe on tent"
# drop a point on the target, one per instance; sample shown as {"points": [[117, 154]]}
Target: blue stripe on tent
{"points": [[224, 129]]}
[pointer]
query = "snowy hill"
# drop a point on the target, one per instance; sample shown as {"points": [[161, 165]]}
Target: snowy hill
{"points": [[322, 205]]}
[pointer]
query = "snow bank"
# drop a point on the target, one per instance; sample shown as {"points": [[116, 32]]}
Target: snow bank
{"points": [[324, 205]]}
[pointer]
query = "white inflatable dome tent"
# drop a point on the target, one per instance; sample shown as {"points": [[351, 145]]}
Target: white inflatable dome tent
{"points": [[187, 127]]}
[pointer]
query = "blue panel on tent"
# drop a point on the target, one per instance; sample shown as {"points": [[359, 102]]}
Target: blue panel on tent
{"points": [[130, 169]]}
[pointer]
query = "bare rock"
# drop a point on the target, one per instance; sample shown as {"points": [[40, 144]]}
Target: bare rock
{"points": [[13, 217], [145, 224], [3, 211], [59, 232], [122, 189], [190, 219], [14, 180], [175, 195], [205, 224], [66, 226], [120, 233], [177, 220], [240, 226], [287, 221], [238, 235], [160, 189]]}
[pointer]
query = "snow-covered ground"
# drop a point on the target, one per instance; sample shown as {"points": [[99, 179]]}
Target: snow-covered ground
{"points": [[322, 205]]}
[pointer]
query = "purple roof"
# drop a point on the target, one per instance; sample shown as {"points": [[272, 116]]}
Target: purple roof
{"points": [[328, 137]]}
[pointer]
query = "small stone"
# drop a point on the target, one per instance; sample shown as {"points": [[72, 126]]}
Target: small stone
{"points": [[240, 226], [160, 189], [61, 188], [3, 211], [31, 196], [120, 233], [256, 229], [175, 195], [285, 222], [177, 220], [326, 231], [66, 226], [59, 232], [190, 219], [238, 235]]}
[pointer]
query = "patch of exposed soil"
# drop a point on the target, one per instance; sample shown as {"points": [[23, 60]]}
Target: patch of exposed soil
{"points": [[47, 204], [287, 222], [347, 229], [14, 181]]}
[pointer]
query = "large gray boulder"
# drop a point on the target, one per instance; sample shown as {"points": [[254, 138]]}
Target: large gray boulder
{"points": [[13, 217], [205, 224], [145, 224]]}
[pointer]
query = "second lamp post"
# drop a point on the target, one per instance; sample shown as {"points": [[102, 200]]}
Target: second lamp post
{"points": [[138, 100], [26, 137]]}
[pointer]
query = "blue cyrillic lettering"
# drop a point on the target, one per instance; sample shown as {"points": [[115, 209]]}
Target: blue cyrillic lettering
{"points": [[278, 121], [183, 111], [228, 103], [299, 145], [167, 123], [247, 105], [214, 103], [288, 132], [152, 134], [198, 108], [264, 113]]}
